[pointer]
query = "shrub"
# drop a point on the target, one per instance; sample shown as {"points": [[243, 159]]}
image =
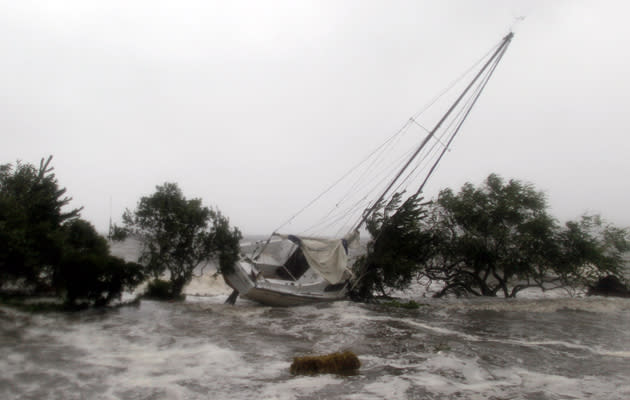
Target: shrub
{"points": [[179, 235], [159, 289], [335, 363]]}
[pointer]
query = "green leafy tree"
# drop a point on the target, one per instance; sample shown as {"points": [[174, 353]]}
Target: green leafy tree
{"points": [[31, 213], [397, 251], [500, 239], [592, 249], [87, 272], [44, 248], [178, 236]]}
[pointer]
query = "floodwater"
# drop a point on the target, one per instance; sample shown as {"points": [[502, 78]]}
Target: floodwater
{"points": [[530, 348]]}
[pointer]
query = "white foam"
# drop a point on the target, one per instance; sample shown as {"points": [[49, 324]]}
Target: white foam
{"points": [[185, 351], [384, 388], [296, 387], [167, 365], [577, 388], [449, 375], [622, 354], [209, 284], [520, 342]]}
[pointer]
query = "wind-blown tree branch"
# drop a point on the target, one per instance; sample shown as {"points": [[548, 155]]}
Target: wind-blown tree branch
{"points": [[87, 270], [31, 212], [592, 249], [499, 239], [398, 249], [179, 235], [45, 248]]}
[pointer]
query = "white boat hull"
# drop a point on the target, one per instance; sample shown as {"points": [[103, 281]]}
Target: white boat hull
{"points": [[250, 284]]}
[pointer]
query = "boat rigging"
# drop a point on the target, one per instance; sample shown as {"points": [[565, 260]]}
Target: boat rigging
{"points": [[304, 268]]}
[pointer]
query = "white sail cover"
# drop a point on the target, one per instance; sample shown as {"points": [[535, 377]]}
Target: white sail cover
{"points": [[327, 256]]}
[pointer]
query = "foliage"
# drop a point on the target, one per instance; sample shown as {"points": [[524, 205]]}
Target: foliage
{"points": [[159, 289], [88, 272], [46, 249], [31, 215], [593, 249], [397, 251], [499, 239], [496, 239], [609, 286], [179, 235], [25, 304], [335, 363]]}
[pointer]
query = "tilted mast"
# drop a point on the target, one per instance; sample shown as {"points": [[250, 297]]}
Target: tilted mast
{"points": [[488, 68]]}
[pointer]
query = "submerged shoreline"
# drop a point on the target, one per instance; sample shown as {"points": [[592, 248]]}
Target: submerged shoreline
{"points": [[537, 346], [518, 348]]}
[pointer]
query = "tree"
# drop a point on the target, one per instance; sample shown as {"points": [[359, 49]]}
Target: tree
{"points": [[397, 251], [87, 272], [31, 213], [47, 249], [179, 235], [592, 249], [499, 239]]}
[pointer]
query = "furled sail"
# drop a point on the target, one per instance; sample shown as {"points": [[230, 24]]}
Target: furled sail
{"points": [[329, 257]]}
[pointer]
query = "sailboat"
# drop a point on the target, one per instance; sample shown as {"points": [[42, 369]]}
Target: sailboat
{"points": [[297, 269]]}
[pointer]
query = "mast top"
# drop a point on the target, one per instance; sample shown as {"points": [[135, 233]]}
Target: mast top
{"points": [[481, 79]]}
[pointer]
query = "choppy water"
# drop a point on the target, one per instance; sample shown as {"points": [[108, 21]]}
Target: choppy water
{"points": [[202, 349]]}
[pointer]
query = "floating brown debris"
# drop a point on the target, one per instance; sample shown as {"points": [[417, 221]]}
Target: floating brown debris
{"points": [[335, 363]]}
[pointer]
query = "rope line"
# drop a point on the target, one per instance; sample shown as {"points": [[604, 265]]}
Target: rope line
{"points": [[375, 171]]}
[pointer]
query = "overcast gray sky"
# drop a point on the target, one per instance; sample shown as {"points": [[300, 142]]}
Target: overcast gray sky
{"points": [[235, 101]]}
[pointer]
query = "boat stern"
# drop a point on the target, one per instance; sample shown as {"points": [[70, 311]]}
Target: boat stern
{"points": [[242, 278]]}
